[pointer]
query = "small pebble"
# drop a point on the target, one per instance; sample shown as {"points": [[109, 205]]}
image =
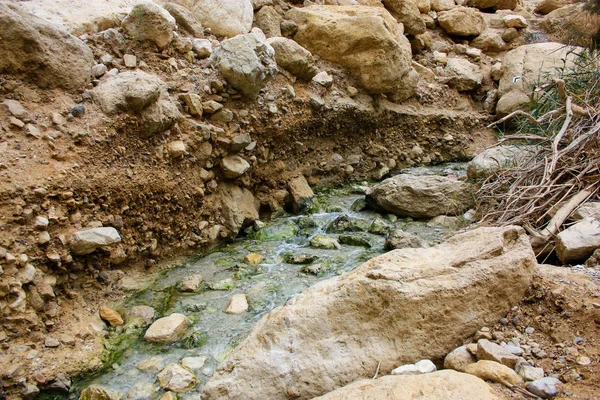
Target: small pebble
{"points": [[78, 110], [529, 330], [578, 340]]}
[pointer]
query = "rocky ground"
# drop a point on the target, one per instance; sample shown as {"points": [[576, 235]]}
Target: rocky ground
{"points": [[147, 128]]}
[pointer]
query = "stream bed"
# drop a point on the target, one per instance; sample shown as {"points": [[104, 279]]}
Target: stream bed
{"points": [[288, 264]]}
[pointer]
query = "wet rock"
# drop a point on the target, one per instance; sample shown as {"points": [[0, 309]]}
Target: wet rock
{"points": [[293, 58], [461, 21], [225, 284], [380, 227], [345, 223], [238, 304], [176, 378], [446, 385], [324, 242], [458, 359], [190, 283], [578, 242], [472, 279], [422, 196], [421, 367], [546, 388], [185, 19], [499, 158], [141, 315], [487, 350], [281, 231], [247, 62], [401, 240], [168, 329], [313, 269], [152, 364], [238, 206], [299, 258], [253, 259], [193, 363], [234, 166], [356, 239], [368, 41], [495, 372], [97, 393], [88, 240], [463, 75], [111, 316], [225, 17], [50, 56], [301, 194], [148, 21]]}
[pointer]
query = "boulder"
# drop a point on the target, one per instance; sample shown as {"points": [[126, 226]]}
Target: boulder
{"points": [[168, 329], [176, 378], [422, 196], [493, 4], [224, 17], [462, 74], [301, 194], [88, 240], [407, 13], [442, 385], [458, 359], [234, 166], [293, 58], [547, 6], [397, 308], [497, 159], [578, 242], [524, 66], [185, 19], [461, 21], [366, 40], [268, 20], [128, 91], [495, 372], [590, 209], [51, 57], [147, 21], [511, 101], [247, 62], [238, 206], [573, 24], [402, 240]]}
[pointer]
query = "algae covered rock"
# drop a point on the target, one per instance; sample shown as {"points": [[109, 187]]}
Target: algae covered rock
{"points": [[282, 231], [324, 242]]}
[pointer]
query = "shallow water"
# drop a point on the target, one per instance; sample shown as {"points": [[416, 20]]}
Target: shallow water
{"points": [[213, 333]]}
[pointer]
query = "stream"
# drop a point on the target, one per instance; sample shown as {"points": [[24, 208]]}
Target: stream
{"points": [[132, 364]]}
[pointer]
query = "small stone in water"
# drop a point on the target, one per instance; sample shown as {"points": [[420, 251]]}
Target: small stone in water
{"points": [[253, 259], [176, 378], [238, 304], [152, 364], [299, 258], [193, 363]]}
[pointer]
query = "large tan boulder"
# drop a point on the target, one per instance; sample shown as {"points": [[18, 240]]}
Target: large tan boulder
{"points": [[523, 67], [397, 308], [493, 4], [441, 385], [407, 12], [461, 21], [224, 17], [148, 21], [547, 6], [422, 196], [366, 40], [51, 57], [238, 206], [573, 24]]}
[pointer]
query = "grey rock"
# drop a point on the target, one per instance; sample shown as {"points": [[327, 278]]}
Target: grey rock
{"points": [[225, 17], [240, 142], [16, 109], [545, 388], [487, 350], [247, 62], [401, 240], [141, 315], [269, 21], [294, 58], [202, 47], [458, 359], [578, 242], [186, 19], [238, 207], [88, 240], [499, 158], [529, 373], [98, 70], [128, 91]]}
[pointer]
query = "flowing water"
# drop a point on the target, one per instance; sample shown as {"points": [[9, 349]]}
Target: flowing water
{"points": [[213, 334]]}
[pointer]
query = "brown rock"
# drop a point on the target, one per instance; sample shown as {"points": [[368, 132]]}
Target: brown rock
{"points": [[111, 316]]}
